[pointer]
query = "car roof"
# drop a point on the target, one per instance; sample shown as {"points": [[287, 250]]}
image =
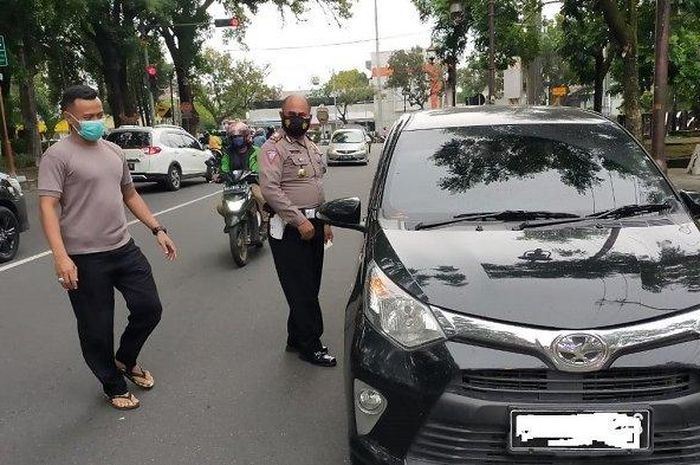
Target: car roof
{"points": [[492, 115]]}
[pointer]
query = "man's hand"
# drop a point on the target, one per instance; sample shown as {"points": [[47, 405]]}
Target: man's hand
{"points": [[306, 230], [328, 233], [167, 245], [67, 273]]}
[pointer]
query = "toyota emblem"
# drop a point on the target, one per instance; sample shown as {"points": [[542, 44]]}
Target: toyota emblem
{"points": [[580, 352]]}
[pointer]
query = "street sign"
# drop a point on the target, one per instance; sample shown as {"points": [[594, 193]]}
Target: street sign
{"points": [[3, 52], [186, 109], [560, 91]]}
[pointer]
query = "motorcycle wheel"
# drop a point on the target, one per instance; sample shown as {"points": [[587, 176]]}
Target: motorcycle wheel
{"points": [[238, 241]]}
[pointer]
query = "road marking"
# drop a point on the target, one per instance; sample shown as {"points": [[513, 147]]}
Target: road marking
{"points": [[46, 253]]}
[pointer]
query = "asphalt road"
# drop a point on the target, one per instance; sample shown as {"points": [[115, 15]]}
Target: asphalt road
{"points": [[226, 392]]}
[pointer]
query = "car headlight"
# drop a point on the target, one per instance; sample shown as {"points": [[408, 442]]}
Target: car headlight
{"points": [[405, 320], [13, 184], [235, 205]]}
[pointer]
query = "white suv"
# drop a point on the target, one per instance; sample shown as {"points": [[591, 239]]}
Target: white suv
{"points": [[165, 154]]}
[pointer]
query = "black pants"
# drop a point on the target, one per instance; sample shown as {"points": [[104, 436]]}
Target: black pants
{"points": [[299, 266], [127, 270]]}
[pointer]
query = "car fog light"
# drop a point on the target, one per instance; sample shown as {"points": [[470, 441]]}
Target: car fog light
{"points": [[370, 405], [370, 401]]}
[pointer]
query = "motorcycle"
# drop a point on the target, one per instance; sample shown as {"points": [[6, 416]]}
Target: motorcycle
{"points": [[243, 222], [213, 166]]}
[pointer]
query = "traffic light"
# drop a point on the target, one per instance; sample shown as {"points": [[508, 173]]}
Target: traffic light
{"points": [[227, 22], [152, 73]]}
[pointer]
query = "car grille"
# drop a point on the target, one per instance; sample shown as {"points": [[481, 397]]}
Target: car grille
{"points": [[457, 445], [345, 152], [555, 386]]}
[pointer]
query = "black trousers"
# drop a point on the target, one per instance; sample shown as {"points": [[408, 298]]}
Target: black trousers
{"points": [[127, 270], [299, 267]]}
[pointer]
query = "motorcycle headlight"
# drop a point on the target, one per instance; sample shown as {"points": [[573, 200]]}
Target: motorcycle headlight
{"points": [[403, 319], [235, 205]]}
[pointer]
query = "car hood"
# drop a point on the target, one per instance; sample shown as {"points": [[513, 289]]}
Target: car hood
{"points": [[571, 278], [348, 146]]}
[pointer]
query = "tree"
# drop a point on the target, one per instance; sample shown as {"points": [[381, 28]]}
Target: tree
{"points": [[409, 76], [226, 88], [586, 45], [622, 20], [348, 87], [183, 24]]}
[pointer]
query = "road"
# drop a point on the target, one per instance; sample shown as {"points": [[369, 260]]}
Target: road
{"points": [[227, 392]]}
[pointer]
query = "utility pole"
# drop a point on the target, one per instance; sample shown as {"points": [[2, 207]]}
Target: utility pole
{"points": [[658, 136], [379, 117], [492, 51], [151, 102]]}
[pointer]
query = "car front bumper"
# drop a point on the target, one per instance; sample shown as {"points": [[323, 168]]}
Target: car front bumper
{"points": [[431, 418], [348, 158]]}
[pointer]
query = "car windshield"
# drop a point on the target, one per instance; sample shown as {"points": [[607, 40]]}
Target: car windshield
{"points": [[130, 139], [581, 169], [348, 137]]}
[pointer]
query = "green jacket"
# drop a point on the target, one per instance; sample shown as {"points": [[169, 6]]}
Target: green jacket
{"points": [[226, 165]]}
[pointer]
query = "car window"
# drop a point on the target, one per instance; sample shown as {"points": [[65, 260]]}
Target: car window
{"points": [[190, 142], [130, 139], [581, 169], [175, 140], [348, 137]]}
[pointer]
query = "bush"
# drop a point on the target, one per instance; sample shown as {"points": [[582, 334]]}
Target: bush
{"points": [[22, 161]]}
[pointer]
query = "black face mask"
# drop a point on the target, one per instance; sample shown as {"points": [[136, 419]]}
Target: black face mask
{"points": [[296, 126]]}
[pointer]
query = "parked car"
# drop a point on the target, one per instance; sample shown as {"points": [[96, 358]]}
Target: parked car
{"points": [[527, 293], [349, 145], [13, 217], [165, 154]]}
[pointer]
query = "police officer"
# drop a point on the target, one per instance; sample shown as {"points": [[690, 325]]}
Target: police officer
{"points": [[291, 175]]}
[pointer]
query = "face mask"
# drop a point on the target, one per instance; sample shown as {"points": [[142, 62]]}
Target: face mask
{"points": [[238, 142], [296, 126], [91, 130]]}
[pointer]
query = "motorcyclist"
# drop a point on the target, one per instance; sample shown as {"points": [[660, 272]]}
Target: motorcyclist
{"points": [[240, 154]]}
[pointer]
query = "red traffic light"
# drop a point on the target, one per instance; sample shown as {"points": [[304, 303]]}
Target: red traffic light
{"points": [[228, 22], [151, 70]]}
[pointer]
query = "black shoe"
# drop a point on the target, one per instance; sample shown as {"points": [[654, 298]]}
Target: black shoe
{"points": [[319, 358], [293, 348]]}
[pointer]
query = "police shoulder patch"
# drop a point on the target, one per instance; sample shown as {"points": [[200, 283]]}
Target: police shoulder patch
{"points": [[271, 154]]}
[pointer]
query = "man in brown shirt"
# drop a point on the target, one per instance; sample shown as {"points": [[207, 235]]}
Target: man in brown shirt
{"points": [[87, 180], [291, 179]]}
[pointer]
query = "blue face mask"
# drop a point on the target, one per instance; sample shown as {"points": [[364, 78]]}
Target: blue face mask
{"points": [[91, 130], [238, 142]]}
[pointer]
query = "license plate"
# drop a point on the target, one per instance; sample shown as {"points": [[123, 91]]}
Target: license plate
{"points": [[592, 431], [132, 166]]}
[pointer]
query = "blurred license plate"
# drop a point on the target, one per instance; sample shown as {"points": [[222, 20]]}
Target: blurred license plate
{"points": [[548, 431], [132, 166]]}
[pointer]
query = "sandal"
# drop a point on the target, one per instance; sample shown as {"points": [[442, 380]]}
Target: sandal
{"points": [[134, 402], [142, 378]]}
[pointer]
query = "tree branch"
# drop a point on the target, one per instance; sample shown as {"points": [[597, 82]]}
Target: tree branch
{"points": [[618, 26]]}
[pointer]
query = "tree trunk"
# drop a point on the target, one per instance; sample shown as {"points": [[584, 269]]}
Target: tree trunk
{"points": [[598, 82], [630, 94], [28, 103], [189, 121], [451, 84]]}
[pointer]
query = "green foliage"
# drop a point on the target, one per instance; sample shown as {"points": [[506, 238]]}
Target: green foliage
{"points": [[348, 87], [450, 34], [409, 75], [227, 88]]}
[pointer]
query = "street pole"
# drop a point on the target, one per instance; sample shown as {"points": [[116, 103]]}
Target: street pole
{"points": [[379, 117], [658, 137], [492, 51], [6, 136], [151, 102], [172, 98]]}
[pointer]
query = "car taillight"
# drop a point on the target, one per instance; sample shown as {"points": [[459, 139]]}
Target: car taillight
{"points": [[151, 150]]}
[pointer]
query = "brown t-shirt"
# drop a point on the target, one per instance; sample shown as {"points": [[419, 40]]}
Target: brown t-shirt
{"points": [[89, 181]]}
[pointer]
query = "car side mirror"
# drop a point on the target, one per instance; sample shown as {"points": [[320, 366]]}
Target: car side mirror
{"points": [[692, 202], [343, 213]]}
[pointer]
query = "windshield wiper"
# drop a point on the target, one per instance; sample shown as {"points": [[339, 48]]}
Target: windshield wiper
{"points": [[615, 213], [505, 215]]}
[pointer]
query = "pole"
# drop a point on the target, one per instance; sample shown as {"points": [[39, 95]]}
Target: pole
{"points": [[172, 99], [6, 137], [379, 117], [151, 102], [492, 51], [658, 137]]}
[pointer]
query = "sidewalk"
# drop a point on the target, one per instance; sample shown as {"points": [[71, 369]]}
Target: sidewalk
{"points": [[683, 180]]}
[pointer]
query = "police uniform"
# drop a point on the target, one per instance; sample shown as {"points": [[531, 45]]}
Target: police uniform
{"points": [[291, 179]]}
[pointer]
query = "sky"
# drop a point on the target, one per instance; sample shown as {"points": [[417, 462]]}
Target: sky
{"points": [[292, 69]]}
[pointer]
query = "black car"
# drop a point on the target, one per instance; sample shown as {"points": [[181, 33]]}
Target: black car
{"points": [[13, 217], [528, 293]]}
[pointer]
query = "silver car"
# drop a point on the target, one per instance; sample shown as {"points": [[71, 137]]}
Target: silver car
{"points": [[350, 145]]}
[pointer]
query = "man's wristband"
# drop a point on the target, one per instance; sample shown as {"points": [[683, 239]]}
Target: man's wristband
{"points": [[158, 229]]}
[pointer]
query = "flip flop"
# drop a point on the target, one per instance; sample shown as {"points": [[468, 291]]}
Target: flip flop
{"points": [[139, 379], [134, 405]]}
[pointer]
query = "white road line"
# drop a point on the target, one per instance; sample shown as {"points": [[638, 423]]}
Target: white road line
{"points": [[46, 253]]}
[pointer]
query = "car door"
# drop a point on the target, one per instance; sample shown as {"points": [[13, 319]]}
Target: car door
{"points": [[195, 154], [181, 153]]}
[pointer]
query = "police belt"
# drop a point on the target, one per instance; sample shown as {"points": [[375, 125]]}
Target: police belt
{"points": [[309, 213]]}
